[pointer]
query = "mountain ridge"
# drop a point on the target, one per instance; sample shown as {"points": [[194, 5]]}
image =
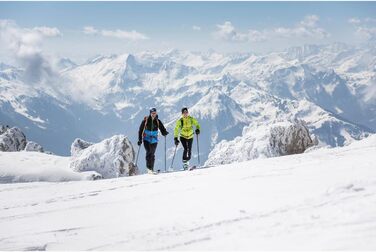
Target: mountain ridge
{"points": [[111, 94]]}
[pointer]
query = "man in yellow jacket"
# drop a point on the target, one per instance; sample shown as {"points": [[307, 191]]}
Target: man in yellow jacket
{"points": [[184, 126]]}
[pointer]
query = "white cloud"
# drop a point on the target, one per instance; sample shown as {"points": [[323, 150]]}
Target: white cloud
{"points": [[354, 21], [25, 45], [309, 21], [130, 35], [196, 28], [48, 31], [227, 32], [90, 30], [256, 36], [364, 28], [121, 34], [307, 28], [370, 20], [366, 32]]}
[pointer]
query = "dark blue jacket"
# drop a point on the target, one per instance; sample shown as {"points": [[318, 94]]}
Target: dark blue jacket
{"points": [[148, 130]]}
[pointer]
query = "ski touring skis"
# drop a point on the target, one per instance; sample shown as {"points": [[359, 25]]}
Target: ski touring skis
{"points": [[192, 168]]}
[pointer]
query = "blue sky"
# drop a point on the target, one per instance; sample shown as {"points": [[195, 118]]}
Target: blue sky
{"points": [[119, 27]]}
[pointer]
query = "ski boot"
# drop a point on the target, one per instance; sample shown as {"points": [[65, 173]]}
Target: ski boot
{"points": [[185, 165]]}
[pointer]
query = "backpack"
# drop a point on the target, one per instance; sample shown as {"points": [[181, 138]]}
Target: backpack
{"points": [[146, 121]]}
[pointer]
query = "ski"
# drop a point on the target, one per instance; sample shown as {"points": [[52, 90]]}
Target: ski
{"points": [[156, 172], [189, 168], [153, 172], [192, 168]]}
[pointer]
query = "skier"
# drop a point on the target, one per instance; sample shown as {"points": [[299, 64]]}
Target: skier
{"points": [[148, 133], [185, 125]]}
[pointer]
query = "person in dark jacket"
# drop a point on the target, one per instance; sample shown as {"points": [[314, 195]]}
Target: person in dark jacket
{"points": [[148, 133]]}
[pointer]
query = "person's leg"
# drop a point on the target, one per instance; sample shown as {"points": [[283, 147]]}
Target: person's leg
{"points": [[184, 143], [153, 148], [147, 146], [189, 147]]}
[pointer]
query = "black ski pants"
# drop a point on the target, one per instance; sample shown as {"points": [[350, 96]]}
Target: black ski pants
{"points": [[187, 145], [150, 149]]}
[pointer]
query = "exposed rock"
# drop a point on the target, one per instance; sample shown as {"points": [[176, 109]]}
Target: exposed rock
{"points": [[113, 157], [32, 146], [263, 141], [12, 139], [78, 145], [293, 139], [3, 129]]}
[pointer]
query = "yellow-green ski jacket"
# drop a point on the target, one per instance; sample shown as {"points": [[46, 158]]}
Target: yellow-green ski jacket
{"points": [[185, 125]]}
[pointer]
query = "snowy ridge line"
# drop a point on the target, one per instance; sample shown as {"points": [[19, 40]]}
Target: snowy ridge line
{"points": [[231, 90]]}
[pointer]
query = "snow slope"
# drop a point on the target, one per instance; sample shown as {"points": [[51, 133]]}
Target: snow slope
{"points": [[325, 199], [27, 166]]}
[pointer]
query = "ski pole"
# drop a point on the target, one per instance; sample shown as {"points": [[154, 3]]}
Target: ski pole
{"points": [[172, 162], [137, 154], [165, 162], [198, 152]]}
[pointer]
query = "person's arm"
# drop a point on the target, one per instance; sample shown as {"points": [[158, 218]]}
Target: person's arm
{"points": [[195, 123], [140, 130], [162, 128]]}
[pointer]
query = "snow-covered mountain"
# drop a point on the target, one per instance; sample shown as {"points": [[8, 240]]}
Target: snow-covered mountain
{"points": [[324, 85], [46, 114], [322, 200], [65, 64]]}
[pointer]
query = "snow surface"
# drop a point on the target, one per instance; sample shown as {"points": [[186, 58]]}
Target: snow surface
{"points": [[28, 166], [324, 199]]}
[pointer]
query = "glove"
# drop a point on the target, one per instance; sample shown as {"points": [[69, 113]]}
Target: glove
{"points": [[165, 133], [139, 142], [197, 131], [176, 141]]}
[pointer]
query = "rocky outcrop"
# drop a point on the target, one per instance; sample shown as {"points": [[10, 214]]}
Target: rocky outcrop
{"points": [[32, 146], [263, 141], [290, 139], [113, 157], [3, 128], [78, 146], [12, 139]]}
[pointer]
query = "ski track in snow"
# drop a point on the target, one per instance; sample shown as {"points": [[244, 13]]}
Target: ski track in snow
{"points": [[325, 199]]}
